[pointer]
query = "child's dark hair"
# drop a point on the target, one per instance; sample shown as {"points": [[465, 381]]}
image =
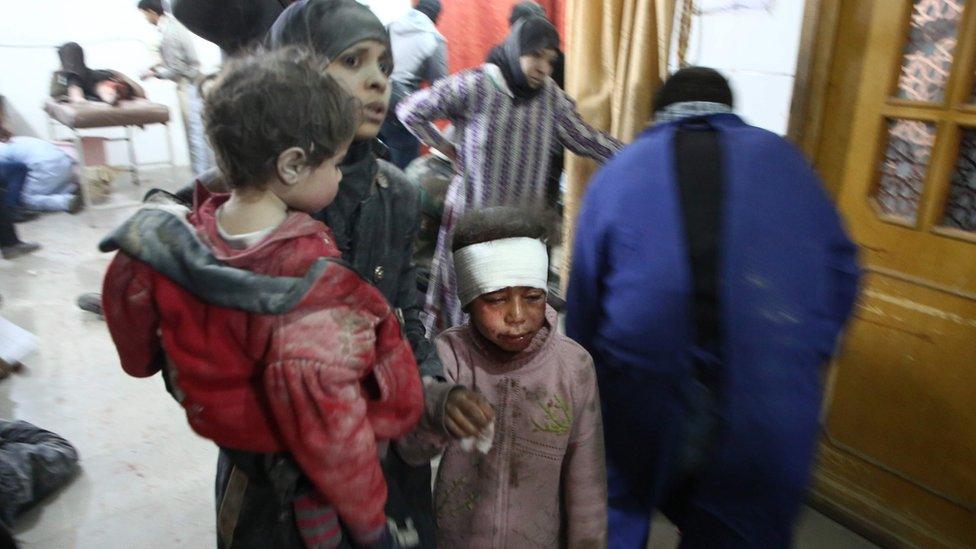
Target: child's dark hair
{"points": [[155, 6], [266, 102], [496, 223]]}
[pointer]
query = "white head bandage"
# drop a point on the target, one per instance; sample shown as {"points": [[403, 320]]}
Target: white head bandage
{"points": [[498, 264]]}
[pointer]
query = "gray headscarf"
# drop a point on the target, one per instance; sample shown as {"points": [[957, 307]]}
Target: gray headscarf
{"points": [[525, 9], [327, 26]]}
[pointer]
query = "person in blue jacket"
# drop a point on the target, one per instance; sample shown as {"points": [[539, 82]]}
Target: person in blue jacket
{"points": [[711, 278]]}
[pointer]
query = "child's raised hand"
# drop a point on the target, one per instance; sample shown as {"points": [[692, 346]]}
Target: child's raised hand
{"points": [[467, 413]]}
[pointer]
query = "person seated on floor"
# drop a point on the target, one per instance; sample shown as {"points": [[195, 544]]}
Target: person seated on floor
{"points": [[10, 245], [75, 82], [51, 183]]}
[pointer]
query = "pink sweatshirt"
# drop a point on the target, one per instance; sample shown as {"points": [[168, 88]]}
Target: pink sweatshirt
{"points": [[543, 484]]}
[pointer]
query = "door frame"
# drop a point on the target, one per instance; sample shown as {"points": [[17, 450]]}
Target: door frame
{"points": [[828, 78]]}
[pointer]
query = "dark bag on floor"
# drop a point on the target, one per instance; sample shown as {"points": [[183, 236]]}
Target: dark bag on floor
{"points": [[33, 464]]}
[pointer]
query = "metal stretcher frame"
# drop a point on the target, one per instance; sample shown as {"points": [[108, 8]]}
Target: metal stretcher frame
{"points": [[133, 164]]}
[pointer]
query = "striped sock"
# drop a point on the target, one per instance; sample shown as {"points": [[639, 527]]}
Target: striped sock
{"points": [[317, 522]]}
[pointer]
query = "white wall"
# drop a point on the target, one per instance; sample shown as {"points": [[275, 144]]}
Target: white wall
{"points": [[756, 49], [114, 35]]}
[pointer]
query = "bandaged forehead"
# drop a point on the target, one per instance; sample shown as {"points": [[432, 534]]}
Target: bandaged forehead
{"points": [[498, 264]]}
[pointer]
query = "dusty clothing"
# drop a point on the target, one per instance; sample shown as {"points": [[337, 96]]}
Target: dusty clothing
{"points": [[33, 463], [374, 220], [503, 151], [290, 353], [543, 483]]}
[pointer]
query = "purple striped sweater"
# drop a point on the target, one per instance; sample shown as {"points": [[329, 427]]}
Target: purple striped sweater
{"points": [[503, 152]]}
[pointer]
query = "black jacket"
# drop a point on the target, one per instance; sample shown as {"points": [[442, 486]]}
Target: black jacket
{"points": [[375, 220]]}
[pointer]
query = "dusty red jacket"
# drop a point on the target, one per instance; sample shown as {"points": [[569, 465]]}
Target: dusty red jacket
{"points": [[270, 348]]}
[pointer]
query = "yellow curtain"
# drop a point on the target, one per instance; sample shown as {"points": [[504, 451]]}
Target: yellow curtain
{"points": [[616, 57]]}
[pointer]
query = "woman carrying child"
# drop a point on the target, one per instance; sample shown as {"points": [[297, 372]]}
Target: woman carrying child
{"points": [[374, 220], [537, 478], [284, 357]]}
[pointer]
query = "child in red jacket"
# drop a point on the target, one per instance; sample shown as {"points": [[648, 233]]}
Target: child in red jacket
{"points": [[268, 343]]}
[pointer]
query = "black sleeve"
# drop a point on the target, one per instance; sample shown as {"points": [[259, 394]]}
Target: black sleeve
{"points": [[233, 25], [410, 303]]}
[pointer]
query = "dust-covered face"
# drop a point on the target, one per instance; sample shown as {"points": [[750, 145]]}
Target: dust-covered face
{"points": [[317, 186], [509, 318]]}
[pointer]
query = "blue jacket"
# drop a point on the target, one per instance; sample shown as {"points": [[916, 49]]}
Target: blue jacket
{"points": [[788, 283]]}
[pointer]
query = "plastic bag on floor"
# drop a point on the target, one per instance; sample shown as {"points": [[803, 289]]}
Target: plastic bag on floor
{"points": [[98, 182]]}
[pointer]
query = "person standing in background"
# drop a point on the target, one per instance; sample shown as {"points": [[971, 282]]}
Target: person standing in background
{"points": [[419, 55], [178, 62], [49, 183], [508, 116], [530, 8]]}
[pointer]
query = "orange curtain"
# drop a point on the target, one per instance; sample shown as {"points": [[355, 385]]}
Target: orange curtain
{"points": [[617, 54], [472, 28]]}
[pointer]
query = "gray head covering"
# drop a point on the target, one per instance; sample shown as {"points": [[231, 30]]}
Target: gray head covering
{"points": [[528, 35], [327, 26], [525, 9]]}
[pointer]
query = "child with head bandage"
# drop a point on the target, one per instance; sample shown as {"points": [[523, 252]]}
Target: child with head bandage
{"points": [[535, 475]]}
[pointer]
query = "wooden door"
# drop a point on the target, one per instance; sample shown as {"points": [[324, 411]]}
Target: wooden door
{"points": [[899, 443]]}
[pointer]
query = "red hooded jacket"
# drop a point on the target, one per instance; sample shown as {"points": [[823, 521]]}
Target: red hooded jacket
{"points": [[324, 380]]}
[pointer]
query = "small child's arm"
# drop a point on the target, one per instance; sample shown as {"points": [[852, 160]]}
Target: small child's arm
{"points": [[398, 403], [452, 411], [130, 313], [314, 389]]}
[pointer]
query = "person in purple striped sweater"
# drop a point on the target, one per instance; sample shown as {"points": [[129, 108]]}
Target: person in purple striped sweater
{"points": [[509, 116]]}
